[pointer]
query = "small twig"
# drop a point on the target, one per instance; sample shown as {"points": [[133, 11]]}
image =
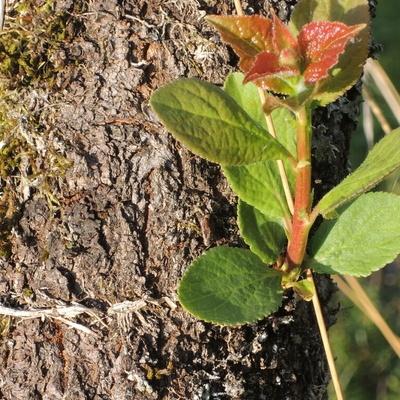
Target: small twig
{"points": [[368, 123], [374, 70], [162, 300], [64, 312], [126, 307], [315, 300], [123, 313], [2, 13], [76, 326], [383, 122], [58, 313], [325, 339], [238, 7]]}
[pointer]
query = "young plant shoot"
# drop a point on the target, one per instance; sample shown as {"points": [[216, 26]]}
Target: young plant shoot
{"points": [[308, 63]]}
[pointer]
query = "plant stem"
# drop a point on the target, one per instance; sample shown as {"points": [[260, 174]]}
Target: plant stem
{"points": [[302, 203], [325, 340]]}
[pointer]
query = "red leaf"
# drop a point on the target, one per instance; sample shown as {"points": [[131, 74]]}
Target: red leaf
{"points": [[269, 74], [276, 60], [285, 44], [321, 44], [248, 35]]}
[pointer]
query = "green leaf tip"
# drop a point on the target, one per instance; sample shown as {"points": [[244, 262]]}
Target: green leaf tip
{"points": [[230, 286]]}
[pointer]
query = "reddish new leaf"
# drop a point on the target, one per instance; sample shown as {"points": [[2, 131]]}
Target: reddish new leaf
{"points": [[248, 35], [321, 44], [285, 44], [268, 73], [277, 61]]}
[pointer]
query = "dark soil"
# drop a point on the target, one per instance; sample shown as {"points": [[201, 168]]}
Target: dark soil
{"points": [[134, 209]]}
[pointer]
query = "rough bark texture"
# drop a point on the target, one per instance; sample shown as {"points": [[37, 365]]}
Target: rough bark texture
{"points": [[135, 209]]}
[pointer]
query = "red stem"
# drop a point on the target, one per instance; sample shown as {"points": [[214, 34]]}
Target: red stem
{"points": [[302, 201]]}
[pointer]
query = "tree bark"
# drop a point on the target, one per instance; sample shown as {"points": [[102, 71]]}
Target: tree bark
{"points": [[135, 209]]}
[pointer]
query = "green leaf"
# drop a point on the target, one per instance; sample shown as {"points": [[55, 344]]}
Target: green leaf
{"points": [[383, 159], [230, 286], [265, 237], [246, 95], [212, 125], [304, 288], [363, 239], [260, 186], [349, 69], [349, 12], [286, 129]]}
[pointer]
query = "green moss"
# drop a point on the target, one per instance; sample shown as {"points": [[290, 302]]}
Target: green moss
{"points": [[33, 36], [28, 44]]}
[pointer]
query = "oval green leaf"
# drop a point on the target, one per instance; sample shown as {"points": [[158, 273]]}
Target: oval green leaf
{"points": [[230, 286], [383, 159], [266, 237], [363, 239], [212, 125]]}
